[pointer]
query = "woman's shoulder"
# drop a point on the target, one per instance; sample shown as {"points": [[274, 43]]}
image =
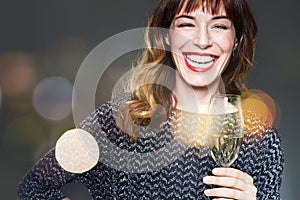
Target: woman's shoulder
{"points": [[102, 122], [105, 111], [263, 134], [264, 140]]}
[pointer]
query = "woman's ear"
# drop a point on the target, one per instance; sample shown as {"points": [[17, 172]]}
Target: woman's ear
{"points": [[237, 42], [235, 45]]}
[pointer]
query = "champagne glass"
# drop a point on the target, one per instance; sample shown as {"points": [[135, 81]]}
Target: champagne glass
{"points": [[225, 128]]}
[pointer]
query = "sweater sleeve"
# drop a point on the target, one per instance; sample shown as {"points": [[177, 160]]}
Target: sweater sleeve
{"points": [[44, 180], [46, 177], [272, 164]]}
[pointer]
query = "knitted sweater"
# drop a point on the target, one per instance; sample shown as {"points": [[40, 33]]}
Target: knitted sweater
{"points": [[155, 165]]}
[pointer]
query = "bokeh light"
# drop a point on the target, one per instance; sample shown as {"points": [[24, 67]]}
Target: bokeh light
{"points": [[77, 151], [260, 111], [17, 74], [52, 98], [23, 138]]}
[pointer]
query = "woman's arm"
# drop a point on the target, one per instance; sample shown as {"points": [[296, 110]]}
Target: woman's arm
{"points": [[272, 165], [46, 177], [44, 180]]}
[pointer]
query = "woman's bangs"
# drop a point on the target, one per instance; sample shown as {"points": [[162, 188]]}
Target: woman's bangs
{"points": [[188, 6]]}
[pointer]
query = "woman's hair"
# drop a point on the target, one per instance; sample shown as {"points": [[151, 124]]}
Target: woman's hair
{"points": [[152, 82]]}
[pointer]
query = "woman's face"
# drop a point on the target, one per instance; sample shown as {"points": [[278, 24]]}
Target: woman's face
{"points": [[201, 45]]}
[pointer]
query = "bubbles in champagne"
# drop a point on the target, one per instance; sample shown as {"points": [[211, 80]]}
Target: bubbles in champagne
{"points": [[225, 148]]}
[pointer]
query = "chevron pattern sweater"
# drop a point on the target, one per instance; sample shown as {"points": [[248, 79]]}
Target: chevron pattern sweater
{"points": [[155, 165]]}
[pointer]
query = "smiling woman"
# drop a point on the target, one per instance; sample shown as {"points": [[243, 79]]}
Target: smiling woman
{"points": [[202, 46], [153, 139]]}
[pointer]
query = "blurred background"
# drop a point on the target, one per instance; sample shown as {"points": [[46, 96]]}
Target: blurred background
{"points": [[43, 43]]}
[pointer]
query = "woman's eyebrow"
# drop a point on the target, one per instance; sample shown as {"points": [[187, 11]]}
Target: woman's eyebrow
{"points": [[185, 16], [220, 17], [213, 18]]}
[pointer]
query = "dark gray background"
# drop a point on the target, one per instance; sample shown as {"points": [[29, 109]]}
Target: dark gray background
{"points": [[38, 28]]}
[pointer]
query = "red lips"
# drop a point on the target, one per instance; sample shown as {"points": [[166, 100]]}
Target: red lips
{"points": [[198, 68]]}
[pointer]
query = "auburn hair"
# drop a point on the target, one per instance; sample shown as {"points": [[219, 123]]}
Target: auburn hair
{"points": [[153, 77]]}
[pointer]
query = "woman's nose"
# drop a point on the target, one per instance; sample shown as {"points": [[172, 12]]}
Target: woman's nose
{"points": [[202, 38]]}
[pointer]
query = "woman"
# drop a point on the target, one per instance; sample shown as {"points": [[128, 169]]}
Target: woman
{"points": [[197, 48]]}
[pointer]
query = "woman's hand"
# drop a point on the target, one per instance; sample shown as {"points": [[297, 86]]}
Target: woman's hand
{"points": [[234, 184]]}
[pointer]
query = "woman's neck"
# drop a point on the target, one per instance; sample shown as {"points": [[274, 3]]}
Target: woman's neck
{"points": [[194, 99]]}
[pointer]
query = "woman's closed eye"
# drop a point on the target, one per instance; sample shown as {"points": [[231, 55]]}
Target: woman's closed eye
{"points": [[185, 25], [220, 26]]}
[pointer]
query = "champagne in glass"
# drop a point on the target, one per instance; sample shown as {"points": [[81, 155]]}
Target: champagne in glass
{"points": [[225, 128]]}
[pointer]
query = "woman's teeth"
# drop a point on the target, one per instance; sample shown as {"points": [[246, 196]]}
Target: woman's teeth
{"points": [[200, 61]]}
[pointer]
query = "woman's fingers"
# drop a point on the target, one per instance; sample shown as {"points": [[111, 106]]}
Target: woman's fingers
{"points": [[234, 184], [228, 193], [231, 172], [225, 182]]}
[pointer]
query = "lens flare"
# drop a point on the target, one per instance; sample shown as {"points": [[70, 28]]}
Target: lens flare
{"points": [[260, 111], [77, 151], [17, 74], [52, 98]]}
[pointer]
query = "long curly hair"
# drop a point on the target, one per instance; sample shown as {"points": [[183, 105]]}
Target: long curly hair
{"points": [[153, 78]]}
